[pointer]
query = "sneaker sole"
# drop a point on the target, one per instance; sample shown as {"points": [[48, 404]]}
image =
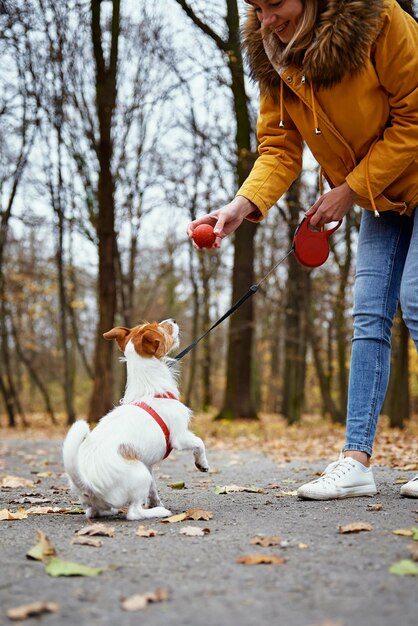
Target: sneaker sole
{"points": [[349, 493], [409, 494]]}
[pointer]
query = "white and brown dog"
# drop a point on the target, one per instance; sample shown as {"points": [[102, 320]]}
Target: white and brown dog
{"points": [[111, 466]]}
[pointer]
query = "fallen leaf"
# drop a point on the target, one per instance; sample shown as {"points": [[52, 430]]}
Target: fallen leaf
{"points": [[289, 481], [96, 529], [46, 510], [374, 507], [403, 532], [146, 532], [194, 514], [355, 527], [87, 541], [237, 488], [262, 540], [179, 485], [12, 482], [405, 567], [400, 481], [199, 514], [194, 531], [43, 549], [33, 609], [58, 567], [31, 500], [6, 515], [180, 517], [139, 601], [260, 559], [303, 546], [413, 551], [45, 474], [285, 493]]}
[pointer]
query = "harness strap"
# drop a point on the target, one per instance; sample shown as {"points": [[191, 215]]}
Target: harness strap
{"points": [[161, 423]]}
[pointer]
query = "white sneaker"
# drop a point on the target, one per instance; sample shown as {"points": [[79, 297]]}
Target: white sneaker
{"points": [[410, 489], [345, 478]]}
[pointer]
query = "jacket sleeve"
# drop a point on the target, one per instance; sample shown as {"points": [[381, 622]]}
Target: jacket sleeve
{"points": [[396, 63], [279, 161]]}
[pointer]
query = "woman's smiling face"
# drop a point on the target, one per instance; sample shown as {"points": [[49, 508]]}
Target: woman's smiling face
{"points": [[280, 16]]}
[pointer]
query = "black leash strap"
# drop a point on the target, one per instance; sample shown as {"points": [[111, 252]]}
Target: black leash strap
{"points": [[252, 290]]}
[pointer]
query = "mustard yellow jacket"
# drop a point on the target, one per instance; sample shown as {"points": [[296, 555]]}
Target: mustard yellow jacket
{"points": [[354, 101]]}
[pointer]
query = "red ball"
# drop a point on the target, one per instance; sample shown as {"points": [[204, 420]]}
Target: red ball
{"points": [[203, 236]]}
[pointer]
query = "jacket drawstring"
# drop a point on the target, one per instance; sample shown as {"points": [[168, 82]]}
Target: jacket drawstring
{"points": [[281, 123], [315, 118], [369, 188], [318, 132]]}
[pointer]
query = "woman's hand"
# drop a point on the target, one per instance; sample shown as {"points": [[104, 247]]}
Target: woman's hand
{"points": [[332, 206], [225, 220]]}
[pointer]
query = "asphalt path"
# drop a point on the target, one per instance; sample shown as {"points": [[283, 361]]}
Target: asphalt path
{"points": [[323, 577]]}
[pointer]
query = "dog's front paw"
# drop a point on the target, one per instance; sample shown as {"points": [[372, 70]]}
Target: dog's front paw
{"points": [[202, 468]]}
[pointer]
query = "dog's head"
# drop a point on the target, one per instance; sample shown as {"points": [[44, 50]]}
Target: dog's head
{"points": [[149, 339]]}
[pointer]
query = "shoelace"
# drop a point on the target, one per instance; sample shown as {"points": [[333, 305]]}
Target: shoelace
{"points": [[341, 468]]}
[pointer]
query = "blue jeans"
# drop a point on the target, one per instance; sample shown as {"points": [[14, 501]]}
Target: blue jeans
{"points": [[386, 273]]}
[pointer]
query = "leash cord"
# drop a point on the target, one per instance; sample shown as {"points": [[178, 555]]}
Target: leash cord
{"points": [[252, 290]]}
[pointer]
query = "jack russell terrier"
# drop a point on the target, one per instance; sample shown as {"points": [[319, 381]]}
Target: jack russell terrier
{"points": [[111, 466]]}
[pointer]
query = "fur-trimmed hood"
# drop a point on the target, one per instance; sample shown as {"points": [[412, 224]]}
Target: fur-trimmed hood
{"points": [[345, 31]]}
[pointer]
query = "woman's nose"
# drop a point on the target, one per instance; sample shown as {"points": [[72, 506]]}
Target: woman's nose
{"points": [[268, 18]]}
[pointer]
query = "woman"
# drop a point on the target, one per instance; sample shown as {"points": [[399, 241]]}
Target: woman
{"points": [[343, 77]]}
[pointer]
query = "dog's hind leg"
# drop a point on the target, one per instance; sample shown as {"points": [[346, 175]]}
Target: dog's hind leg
{"points": [[142, 488], [137, 512], [153, 498]]}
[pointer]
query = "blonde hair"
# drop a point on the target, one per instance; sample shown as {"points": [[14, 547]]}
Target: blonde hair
{"points": [[293, 52]]}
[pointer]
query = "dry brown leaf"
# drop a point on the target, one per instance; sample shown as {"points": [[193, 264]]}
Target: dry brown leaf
{"points": [[30, 500], [199, 514], [283, 493], [194, 514], [33, 609], [87, 541], [96, 529], [12, 482], [180, 517], [400, 481], [47, 474], [43, 549], [6, 515], [146, 532], [194, 531], [354, 527], [139, 601], [262, 540], [403, 532], [261, 559], [375, 507], [46, 510], [303, 546], [413, 550]]}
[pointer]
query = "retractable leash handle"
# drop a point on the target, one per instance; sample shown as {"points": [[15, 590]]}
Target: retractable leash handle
{"points": [[311, 247]]}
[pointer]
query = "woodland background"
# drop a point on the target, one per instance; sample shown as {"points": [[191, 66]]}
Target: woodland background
{"points": [[120, 122]]}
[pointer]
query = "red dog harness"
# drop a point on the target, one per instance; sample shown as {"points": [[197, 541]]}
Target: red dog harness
{"points": [[161, 423]]}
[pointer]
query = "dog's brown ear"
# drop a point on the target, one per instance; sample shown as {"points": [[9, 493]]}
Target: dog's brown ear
{"points": [[120, 333], [152, 343]]}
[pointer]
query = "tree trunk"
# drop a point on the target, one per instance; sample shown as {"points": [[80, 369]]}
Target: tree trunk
{"points": [[296, 321], [397, 403], [101, 398], [239, 401]]}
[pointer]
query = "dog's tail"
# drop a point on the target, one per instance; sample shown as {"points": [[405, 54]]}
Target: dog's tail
{"points": [[75, 437]]}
